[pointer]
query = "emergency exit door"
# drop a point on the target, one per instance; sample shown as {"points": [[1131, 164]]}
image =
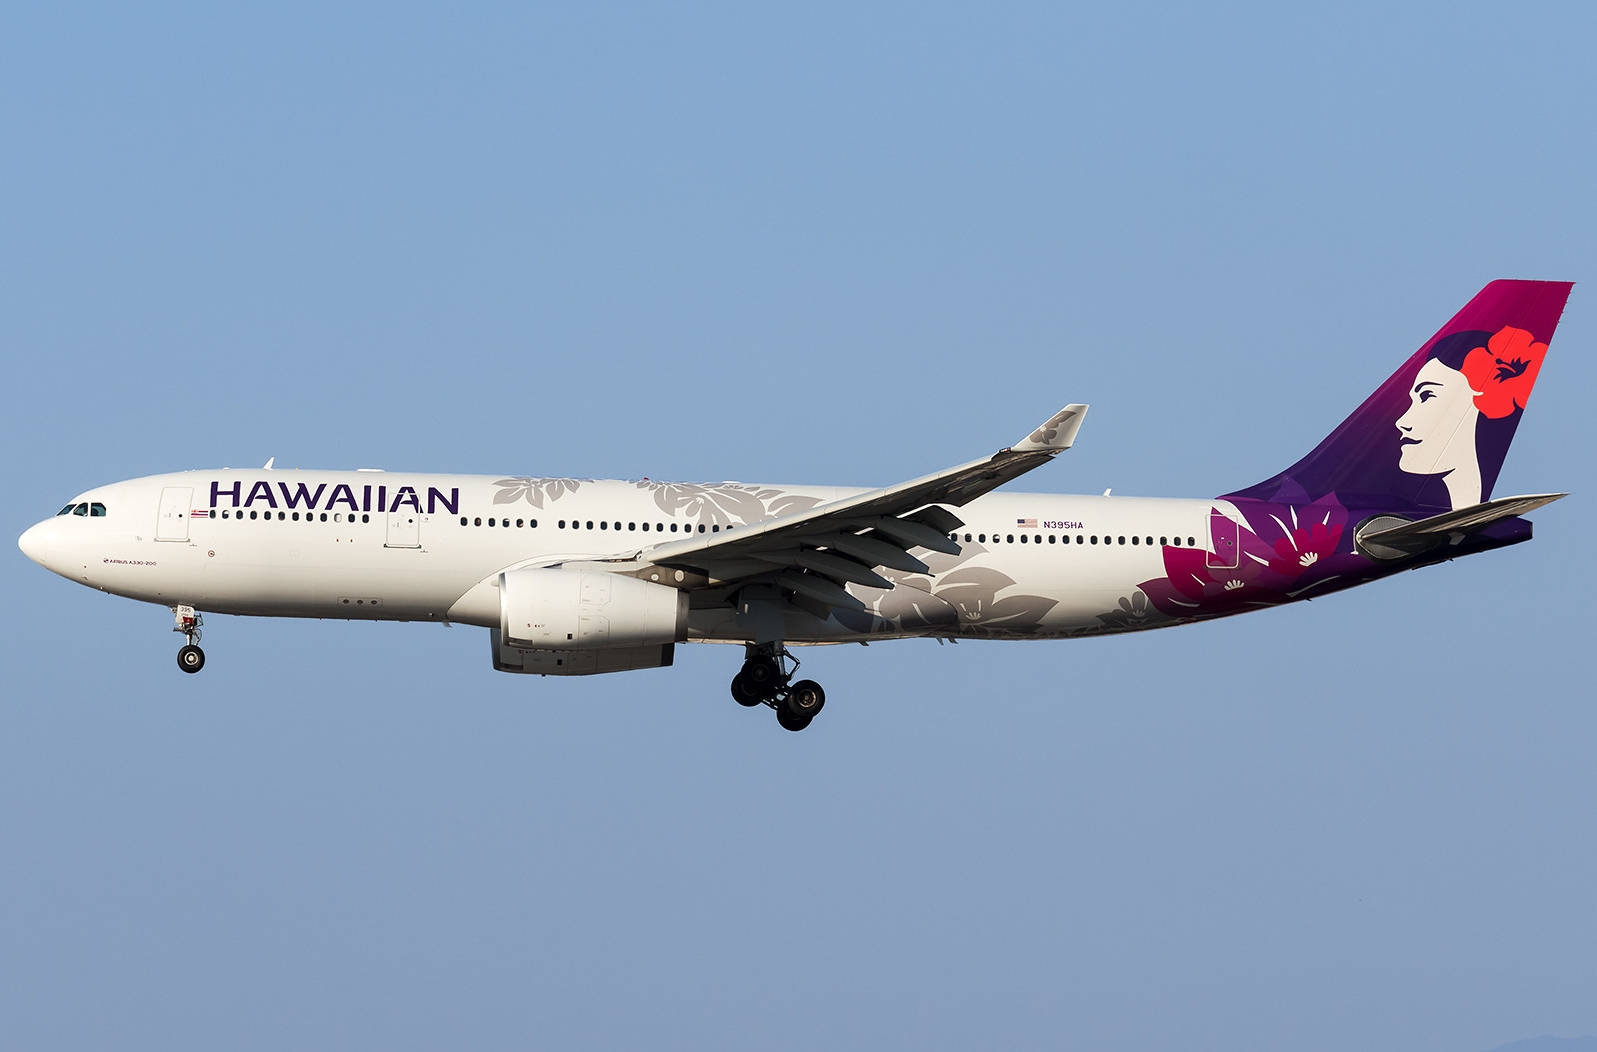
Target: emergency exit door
{"points": [[404, 529]]}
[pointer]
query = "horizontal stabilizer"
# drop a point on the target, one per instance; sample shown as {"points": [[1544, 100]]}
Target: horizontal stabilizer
{"points": [[1388, 537]]}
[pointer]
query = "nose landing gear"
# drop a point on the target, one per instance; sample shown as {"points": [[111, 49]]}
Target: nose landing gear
{"points": [[764, 680], [190, 658]]}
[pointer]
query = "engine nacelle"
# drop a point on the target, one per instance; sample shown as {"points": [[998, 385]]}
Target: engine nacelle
{"points": [[587, 610], [542, 662]]}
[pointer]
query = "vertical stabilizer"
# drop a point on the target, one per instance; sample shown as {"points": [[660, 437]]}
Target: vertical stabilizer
{"points": [[1434, 435]]}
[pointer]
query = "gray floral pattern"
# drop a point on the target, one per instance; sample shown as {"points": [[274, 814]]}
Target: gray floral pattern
{"points": [[728, 503], [959, 598], [535, 491]]}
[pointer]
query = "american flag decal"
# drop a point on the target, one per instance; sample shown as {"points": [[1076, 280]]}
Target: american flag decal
{"points": [[1026, 524], [199, 513]]}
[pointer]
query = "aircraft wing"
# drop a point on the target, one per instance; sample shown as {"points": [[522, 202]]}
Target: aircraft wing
{"points": [[815, 553]]}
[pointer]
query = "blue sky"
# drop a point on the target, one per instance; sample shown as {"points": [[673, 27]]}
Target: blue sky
{"points": [[841, 244]]}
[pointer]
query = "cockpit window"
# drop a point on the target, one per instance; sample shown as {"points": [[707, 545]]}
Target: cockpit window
{"points": [[66, 510], [97, 510], [81, 509]]}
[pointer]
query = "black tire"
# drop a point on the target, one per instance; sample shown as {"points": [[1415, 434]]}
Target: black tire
{"points": [[743, 694], [789, 720], [191, 658], [805, 698], [761, 675]]}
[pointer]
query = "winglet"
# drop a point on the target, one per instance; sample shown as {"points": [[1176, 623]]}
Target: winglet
{"points": [[1056, 434]]}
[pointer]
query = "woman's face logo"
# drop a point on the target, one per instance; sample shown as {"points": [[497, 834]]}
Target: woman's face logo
{"points": [[1437, 434]]}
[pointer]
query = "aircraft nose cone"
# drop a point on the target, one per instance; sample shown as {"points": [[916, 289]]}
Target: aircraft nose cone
{"points": [[32, 543]]}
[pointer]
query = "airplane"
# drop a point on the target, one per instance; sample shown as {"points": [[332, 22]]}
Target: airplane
{"points": [[576, 577]]}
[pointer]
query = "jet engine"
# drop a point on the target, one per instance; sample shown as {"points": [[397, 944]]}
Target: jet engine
{"points": [[587, 610]]}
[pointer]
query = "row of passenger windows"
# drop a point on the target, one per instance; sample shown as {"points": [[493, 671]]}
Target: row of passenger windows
{"points": [[97, 510], [577, 524], [310, 516], [1009, 538]]}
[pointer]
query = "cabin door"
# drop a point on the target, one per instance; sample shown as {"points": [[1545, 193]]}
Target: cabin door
{"points": [[1223, 541], [173, 523]]}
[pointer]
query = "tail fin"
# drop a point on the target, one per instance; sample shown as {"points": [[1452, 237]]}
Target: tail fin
{"points": [[1434, 435]]}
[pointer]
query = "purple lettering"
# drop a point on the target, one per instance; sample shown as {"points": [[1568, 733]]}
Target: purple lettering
{"points": [[405, 495], [342, 492], [382, 498], [435, 497], [366, 498], [265, 490], [302, 493], [232, 494]]}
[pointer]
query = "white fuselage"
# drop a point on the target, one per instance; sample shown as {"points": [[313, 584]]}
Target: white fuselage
{"points": [[384, 546]]}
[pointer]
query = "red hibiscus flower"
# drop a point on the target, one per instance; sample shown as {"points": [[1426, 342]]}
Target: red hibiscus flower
{"points": [[1504, 371]]}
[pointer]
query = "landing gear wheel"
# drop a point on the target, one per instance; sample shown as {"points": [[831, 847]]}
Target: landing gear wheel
{"points": [[745, 695], [789, 720], [191, 658], [805, 698], [761, 675]]}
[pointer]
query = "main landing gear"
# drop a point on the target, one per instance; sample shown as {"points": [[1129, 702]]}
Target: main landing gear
{"points": [[190, 658], [765, 679]]}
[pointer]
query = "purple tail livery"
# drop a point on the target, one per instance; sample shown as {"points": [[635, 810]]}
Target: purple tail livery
{"points": [[1434, 435]]}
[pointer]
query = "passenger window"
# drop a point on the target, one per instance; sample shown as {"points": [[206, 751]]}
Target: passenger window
{"points": [[1052, 538], [982, 537], [253, 514], [1134, 540], [1009, 539], [1192, 542], [1150, 540], [477, 521], [518, 524], [1163, 541], [713, 529], [1095, 538], [98, 511], [1023, 538]]}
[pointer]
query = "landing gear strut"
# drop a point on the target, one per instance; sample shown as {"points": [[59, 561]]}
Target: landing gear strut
{"points": [[190, 658], [767, 671]]}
